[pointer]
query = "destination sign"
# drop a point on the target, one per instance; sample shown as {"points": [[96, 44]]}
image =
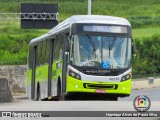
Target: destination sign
{"points": [[107, 29]]}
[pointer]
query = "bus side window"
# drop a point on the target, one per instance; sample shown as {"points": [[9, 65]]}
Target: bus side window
{"points": [[56, 48], [39, 54], [47, 51], [71, 50], [43, 52], [30, 57], [61, 46]]}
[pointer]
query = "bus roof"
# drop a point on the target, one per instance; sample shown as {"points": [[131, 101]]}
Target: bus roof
{"points": [[98, 19]]}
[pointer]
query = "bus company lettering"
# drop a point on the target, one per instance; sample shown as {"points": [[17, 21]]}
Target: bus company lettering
{"points": [[97, 71], [104, 71]]}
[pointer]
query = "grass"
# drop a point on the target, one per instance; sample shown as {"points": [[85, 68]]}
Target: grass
{"points": [[16, 30], [145, 32], [123, 8]]}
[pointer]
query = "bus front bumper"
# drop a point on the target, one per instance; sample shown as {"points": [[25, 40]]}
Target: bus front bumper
{"points": [[84, 86]]}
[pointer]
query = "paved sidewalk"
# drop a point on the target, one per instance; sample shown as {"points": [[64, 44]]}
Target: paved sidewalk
{"points": [[19, 95]]}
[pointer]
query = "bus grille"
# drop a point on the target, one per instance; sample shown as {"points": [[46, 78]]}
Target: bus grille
{"points": [[97, 86]]}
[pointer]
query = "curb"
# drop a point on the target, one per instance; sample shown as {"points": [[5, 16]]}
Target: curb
{"points": [[145, 83]]}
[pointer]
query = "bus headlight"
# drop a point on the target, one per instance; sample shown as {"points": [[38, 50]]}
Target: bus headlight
{"points": [[74, 74], [126, 77]]}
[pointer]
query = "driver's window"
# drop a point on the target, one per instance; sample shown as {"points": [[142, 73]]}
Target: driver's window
{"points": [[71, 50]]}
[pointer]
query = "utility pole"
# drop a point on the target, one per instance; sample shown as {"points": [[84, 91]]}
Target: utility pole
{"points": [[89, 7]]}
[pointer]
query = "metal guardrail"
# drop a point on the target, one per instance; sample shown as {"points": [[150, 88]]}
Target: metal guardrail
{"points": [[39, 16], [29, 16], [6, 17]]}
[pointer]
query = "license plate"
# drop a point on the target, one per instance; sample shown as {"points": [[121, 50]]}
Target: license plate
{"points": [[100, 91]]}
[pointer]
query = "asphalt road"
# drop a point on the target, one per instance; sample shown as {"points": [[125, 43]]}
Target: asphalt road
{"points": [[123, 104], [153, 94], [28, 105]]}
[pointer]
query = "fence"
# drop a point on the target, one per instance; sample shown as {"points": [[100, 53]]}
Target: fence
{"points": [[14, 18], [155, 75]]}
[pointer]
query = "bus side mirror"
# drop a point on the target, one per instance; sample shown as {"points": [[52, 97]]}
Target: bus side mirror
{"points": [[133, 50]]}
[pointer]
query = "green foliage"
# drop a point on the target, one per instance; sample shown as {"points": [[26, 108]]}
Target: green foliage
{"points": [[139, 12], [14, 44], [143, 21], [147, 60], [145, 32], [144, 16]]}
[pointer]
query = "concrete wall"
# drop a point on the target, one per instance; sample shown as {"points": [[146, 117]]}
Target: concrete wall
{"points": [[16, 79], [145, 83], [15, 74]]}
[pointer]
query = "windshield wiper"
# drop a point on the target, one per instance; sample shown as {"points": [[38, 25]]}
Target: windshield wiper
{"points": [[112, 44], [92, 44]]}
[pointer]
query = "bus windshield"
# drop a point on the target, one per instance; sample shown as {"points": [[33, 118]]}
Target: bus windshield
{"points": [[107, 52]]}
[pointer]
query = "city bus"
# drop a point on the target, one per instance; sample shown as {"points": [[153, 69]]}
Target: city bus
{"points": [[83, 55]]}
